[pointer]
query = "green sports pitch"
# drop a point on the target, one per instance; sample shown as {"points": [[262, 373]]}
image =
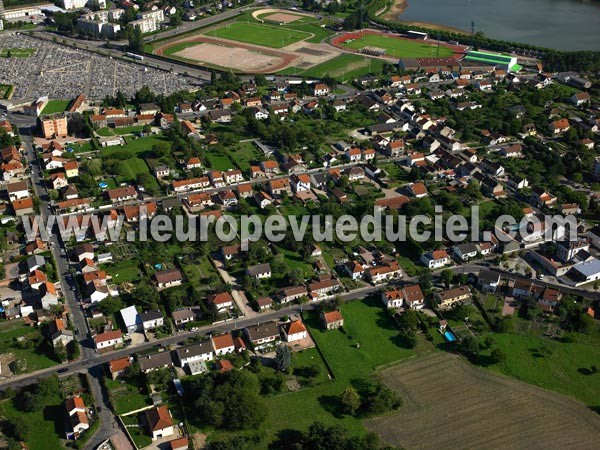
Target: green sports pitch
{"points": [[259, 34], [399, 48]]}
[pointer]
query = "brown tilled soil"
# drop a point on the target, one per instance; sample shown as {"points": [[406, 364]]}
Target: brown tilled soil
{"points": [[447, 403]]}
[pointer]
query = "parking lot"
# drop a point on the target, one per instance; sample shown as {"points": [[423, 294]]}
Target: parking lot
{"points": [[63, 72]]}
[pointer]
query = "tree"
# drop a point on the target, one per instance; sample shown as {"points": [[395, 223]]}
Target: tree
{"points": [[60, 351], [498, 356], [469, 347], [408, 338], [111, 305], [27, 401], [283, 358], [446, 277], [350, 401], [409, 320]]}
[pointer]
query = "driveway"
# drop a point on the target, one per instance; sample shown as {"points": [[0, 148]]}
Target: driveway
{"points": [[236, 291]]}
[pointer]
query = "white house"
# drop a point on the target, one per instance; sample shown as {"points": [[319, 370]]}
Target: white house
{"points": [[294, 331], [151, 320], [131, 319], [392, 298], [435, 259], [108, 339], [259, 271], [159, 422], [465, 251], [201, 351], [223, 344]]}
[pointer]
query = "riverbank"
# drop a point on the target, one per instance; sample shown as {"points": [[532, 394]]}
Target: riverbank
{"points": [[399, 6]]}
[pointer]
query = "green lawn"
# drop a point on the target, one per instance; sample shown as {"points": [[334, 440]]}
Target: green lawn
{"points": [[126, 397], [56, 106], [42, 425], [132, 167], [295, 261], [82, 147], [399, 48], [218, 160], [345, 67], [32, 358], [560, 367], [123, 271], [257, 34], [365, 322], [135, 146], [16, 52]]}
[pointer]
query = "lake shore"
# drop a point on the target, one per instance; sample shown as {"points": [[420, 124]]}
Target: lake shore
{"points": [[399, 6]]}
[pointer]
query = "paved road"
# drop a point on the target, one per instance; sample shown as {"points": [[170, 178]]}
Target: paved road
{"points": [[78, 320]]}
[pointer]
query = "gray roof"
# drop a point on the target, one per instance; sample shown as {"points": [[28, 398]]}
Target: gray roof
{"points": [[151, 315], [190, 351], [155, 360], [488, 277], [259, 269], [263, 330], [588, 268]]}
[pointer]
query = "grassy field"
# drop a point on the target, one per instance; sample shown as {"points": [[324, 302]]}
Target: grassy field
{"points": [[43, 426], [561, 367], [9, 52], [218, 160], [138, 146], [344, 67], [399, 48], [365, 322], [32, 358], [56, 106], [449, 403], [257, 34], [126, 397], [123, 271]]}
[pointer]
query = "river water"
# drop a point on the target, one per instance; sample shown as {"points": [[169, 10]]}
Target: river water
{"points": [[559, 24]]}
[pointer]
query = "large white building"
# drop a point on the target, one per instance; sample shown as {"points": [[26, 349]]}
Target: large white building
{"points": [[149, 21], [78, 4]]}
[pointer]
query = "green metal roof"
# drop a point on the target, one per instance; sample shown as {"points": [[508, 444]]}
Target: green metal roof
{"points": [[493, 58]]}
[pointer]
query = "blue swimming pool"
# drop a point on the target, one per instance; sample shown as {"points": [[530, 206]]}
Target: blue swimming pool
{"points": [[449, 336]]}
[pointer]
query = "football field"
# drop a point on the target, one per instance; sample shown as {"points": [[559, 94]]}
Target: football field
{"points": [[398, 47], [259, 34]]}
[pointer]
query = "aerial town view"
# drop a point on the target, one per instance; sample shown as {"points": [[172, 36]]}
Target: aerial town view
{"points": [[299, 225]]}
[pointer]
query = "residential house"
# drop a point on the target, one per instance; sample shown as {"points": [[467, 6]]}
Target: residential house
{"points": [[159, 422], [151, 320], [131, 319], [465, 251], [451, 297], [292, 293], [413, 296], [259, 271], [223, 344], [155, 361], [435, 259], [384, 272], [332, 320], [221, 301], [263, 335], [201, 351], [108, 339], [392, 298], [168, 278], [294, 331], [118, 367]]}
